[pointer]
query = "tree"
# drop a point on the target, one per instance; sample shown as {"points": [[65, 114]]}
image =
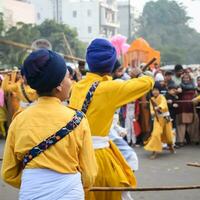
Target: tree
{"points": [[54, 33], [24, 33], [164, 24], [1, 23], [27, 33]]}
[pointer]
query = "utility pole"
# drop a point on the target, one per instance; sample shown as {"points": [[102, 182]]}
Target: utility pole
{"points": [[129, 31]]}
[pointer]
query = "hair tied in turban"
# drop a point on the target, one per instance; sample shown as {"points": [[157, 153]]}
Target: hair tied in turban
{"points": [[101, 56], [44, 70]]}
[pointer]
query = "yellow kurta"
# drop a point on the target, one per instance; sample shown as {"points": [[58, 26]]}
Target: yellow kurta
{"points": [[3, 118], [162, 129], [109, 95], [72, 154], [16, 89]]}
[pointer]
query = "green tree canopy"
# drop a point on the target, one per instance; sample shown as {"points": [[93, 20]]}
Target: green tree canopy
{"points": [[1, 23], [164, 24], [27, 33]]}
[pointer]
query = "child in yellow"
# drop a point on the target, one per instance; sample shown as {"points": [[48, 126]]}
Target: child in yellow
{"points": [[162, 126]]}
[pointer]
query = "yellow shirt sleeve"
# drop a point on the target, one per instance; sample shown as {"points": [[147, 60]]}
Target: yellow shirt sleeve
{"points": [[163, 104], [11, 166], [130, 90], [87, 158]]}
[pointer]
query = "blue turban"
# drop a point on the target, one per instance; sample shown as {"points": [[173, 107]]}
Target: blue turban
{"points": [[44, 70], [101, 56]]}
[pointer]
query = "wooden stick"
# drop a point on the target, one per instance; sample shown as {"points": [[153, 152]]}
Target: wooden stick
{"points": [[67, 44], [148, 64], [25, 46], [164, 188], [15, 44], [154, 109], [177, 101], [193, 164], [6, 71]]}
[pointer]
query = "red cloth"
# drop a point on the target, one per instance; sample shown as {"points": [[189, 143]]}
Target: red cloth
{"points": [[137, 128], [186, 107]]}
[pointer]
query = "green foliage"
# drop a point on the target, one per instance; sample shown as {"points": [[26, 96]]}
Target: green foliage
{"points": [[53, 32], [164, 24], [1, 23], [22, 33], [27, 33]]}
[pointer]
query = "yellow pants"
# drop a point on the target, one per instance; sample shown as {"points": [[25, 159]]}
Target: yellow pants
{"points": [[113, 171], [2, 129], [162, 133]]}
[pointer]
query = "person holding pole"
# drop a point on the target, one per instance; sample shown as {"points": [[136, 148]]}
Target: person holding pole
{"points": [[108, 96]]}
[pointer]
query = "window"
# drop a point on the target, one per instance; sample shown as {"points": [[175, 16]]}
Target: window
{"points": [[89, 29], [74, 13], [89, 13]]}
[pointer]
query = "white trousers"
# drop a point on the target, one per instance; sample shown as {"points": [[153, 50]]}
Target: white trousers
{"points": [[45, 184]]}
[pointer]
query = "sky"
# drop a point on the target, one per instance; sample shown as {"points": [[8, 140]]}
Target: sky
{"points": [[192, 8]]}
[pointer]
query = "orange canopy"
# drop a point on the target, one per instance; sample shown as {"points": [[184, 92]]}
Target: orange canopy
{"points": [[139, 45], [140, 52]]}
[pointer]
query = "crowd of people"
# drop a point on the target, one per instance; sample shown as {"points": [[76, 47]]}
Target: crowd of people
{"points": [[179, 90], [71, 129]]}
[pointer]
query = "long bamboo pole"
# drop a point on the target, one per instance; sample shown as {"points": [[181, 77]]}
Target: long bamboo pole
{"points": [[146, 189], [25, 46], [142, 189], [193, 164]]}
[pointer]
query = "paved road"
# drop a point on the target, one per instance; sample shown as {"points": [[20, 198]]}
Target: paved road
{"points": [[166, 170]]}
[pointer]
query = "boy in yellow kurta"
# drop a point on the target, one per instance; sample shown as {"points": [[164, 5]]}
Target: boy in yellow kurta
{"points": [[25, 94], [108, 96], [62, 170], [162, 126]]}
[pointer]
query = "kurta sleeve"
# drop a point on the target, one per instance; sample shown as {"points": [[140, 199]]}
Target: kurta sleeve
{"points": [[11, 166], [87, 158], [163, 104], [127, 91]]}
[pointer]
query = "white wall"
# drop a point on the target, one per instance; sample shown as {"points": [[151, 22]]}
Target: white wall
{"points": [[16, 11], [82, 21], [1, 5], [44, 9]]}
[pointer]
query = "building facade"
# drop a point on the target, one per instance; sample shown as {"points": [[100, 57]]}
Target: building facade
{"points": [[18, 11], [126, 17], [1, 6], [47, 9], [91, 18]]}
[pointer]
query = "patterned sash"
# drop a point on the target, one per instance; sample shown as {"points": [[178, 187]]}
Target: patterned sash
{"points": [[89, 96], [53, 139]]}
